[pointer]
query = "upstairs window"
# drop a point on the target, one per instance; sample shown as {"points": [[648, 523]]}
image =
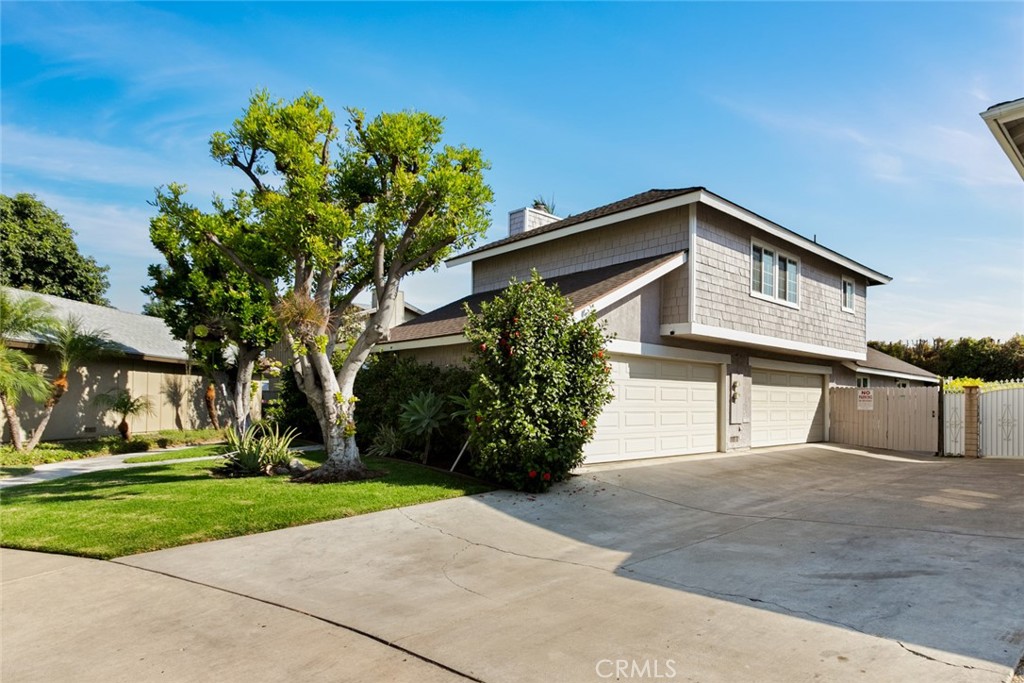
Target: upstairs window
{"points": [[774, 275], [849, 295]]}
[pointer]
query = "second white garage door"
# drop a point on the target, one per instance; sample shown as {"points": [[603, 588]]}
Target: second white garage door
{"points": [[661, 407], [786, 408]]}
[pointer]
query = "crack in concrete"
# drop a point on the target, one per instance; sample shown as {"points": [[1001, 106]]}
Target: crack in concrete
{"points": [[444, 570], [500, 550], [940, 661], [393, 644]]}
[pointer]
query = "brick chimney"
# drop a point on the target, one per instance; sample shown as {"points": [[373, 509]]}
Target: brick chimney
{"points": [[528, 218]]}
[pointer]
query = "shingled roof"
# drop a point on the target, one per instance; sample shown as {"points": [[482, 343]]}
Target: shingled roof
{"points": [[642, 199], [133, 334], [583, 289], [876, 360]]}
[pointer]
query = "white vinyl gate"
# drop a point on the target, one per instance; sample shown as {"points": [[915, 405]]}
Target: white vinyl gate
{"points": [[953, 423], [1002, 422]]}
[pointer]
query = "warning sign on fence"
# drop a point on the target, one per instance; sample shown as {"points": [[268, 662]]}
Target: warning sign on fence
{"points": [[865, 399]]}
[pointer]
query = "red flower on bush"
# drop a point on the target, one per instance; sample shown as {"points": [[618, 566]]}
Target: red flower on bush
{"points": [[583, 423], [547, 476], [533, 473], [483, 347], [479, 419]]}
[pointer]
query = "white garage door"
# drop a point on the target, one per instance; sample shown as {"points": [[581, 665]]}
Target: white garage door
{"points": [[786, 407], [661, 407]]}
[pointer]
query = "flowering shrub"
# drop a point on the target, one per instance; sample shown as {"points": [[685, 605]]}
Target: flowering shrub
{"points": [[541, 380]]}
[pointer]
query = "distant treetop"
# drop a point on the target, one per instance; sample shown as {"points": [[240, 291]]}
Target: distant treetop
{"points": [[38, 253]]}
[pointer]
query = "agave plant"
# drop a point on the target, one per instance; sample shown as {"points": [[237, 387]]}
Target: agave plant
{"points": [[387, 443], [258, 450], [120, 401], [422, 416]]}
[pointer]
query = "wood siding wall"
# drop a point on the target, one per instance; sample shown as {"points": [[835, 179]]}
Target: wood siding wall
{"points": [[176, 395]]}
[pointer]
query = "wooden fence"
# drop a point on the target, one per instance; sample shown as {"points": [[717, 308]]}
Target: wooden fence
{"points": [[899, 419], [989, 423]]}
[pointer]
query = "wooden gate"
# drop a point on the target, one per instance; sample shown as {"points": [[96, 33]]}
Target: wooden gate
{"points": [[898, 419]]}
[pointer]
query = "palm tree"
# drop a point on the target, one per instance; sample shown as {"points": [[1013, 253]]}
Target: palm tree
{"points": [[20, 316], [18, 378], [73, 345], [121, 402]]}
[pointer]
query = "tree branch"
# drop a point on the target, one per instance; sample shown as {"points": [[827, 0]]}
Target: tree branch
{"points": [[248, 169], [230, 254]]}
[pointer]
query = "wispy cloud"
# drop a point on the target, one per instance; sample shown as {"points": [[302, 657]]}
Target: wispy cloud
{"points": [[913, 147], [63, 158]]}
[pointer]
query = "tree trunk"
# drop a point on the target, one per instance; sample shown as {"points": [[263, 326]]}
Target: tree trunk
{"points": [[211, 404], [331, 396], [59, 388], [13, 424], [125, 429], [242, 400]]}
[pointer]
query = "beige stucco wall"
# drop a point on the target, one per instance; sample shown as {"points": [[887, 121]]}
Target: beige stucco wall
{"points": [[723, 297], [177, 399], [652, 235]]}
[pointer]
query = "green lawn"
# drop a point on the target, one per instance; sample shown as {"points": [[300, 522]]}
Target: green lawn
{"points": [[122, 512], [196, 452]]}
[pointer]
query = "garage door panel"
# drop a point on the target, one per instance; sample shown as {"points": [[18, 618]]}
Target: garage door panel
{"points": [[640, 418], [786, 408], [662, 408]]}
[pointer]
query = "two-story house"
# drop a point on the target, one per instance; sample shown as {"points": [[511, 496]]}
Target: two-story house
{"points": [[729, 328]]}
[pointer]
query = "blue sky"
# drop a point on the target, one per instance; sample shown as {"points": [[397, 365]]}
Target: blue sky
{"points": [[857, 123]]}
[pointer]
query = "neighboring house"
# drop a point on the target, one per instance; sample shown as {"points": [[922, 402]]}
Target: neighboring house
{"points": [[152, 364], [882, 371], [729, 328], [1006, 121]]}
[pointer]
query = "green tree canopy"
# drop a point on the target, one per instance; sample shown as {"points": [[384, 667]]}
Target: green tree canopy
{"points": [[38, 253], [984, 358], [394, 201], [220, 311]]}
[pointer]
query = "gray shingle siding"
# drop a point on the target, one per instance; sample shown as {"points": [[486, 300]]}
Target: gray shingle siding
{"points": [[723, 292], [652, 235]]}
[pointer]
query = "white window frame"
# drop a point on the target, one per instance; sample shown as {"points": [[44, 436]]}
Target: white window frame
{"points": [[852, 308], [902, 384], [777, 256], [863, 381]]}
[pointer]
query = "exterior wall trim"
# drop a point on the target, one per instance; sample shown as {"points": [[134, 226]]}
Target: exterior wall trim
{"points": [[447, 340], [633, 286], [725, 334], [787, 366], [691, 294], [887, 373], [633, 348]]}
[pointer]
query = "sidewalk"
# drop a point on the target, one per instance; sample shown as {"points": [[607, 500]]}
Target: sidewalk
{"points": [[71, 468]]}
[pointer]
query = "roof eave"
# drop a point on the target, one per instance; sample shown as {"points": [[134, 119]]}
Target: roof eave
{"points": [[995, 118], [701, 195]]}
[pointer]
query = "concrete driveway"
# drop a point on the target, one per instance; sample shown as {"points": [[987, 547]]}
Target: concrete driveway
{"points": [[793, 564]]}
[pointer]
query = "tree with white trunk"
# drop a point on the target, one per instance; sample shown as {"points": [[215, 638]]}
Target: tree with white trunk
{"points": [[393, 201]]}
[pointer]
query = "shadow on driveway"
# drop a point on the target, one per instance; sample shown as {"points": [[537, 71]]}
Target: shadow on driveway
{"points": [[783, 564]]}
